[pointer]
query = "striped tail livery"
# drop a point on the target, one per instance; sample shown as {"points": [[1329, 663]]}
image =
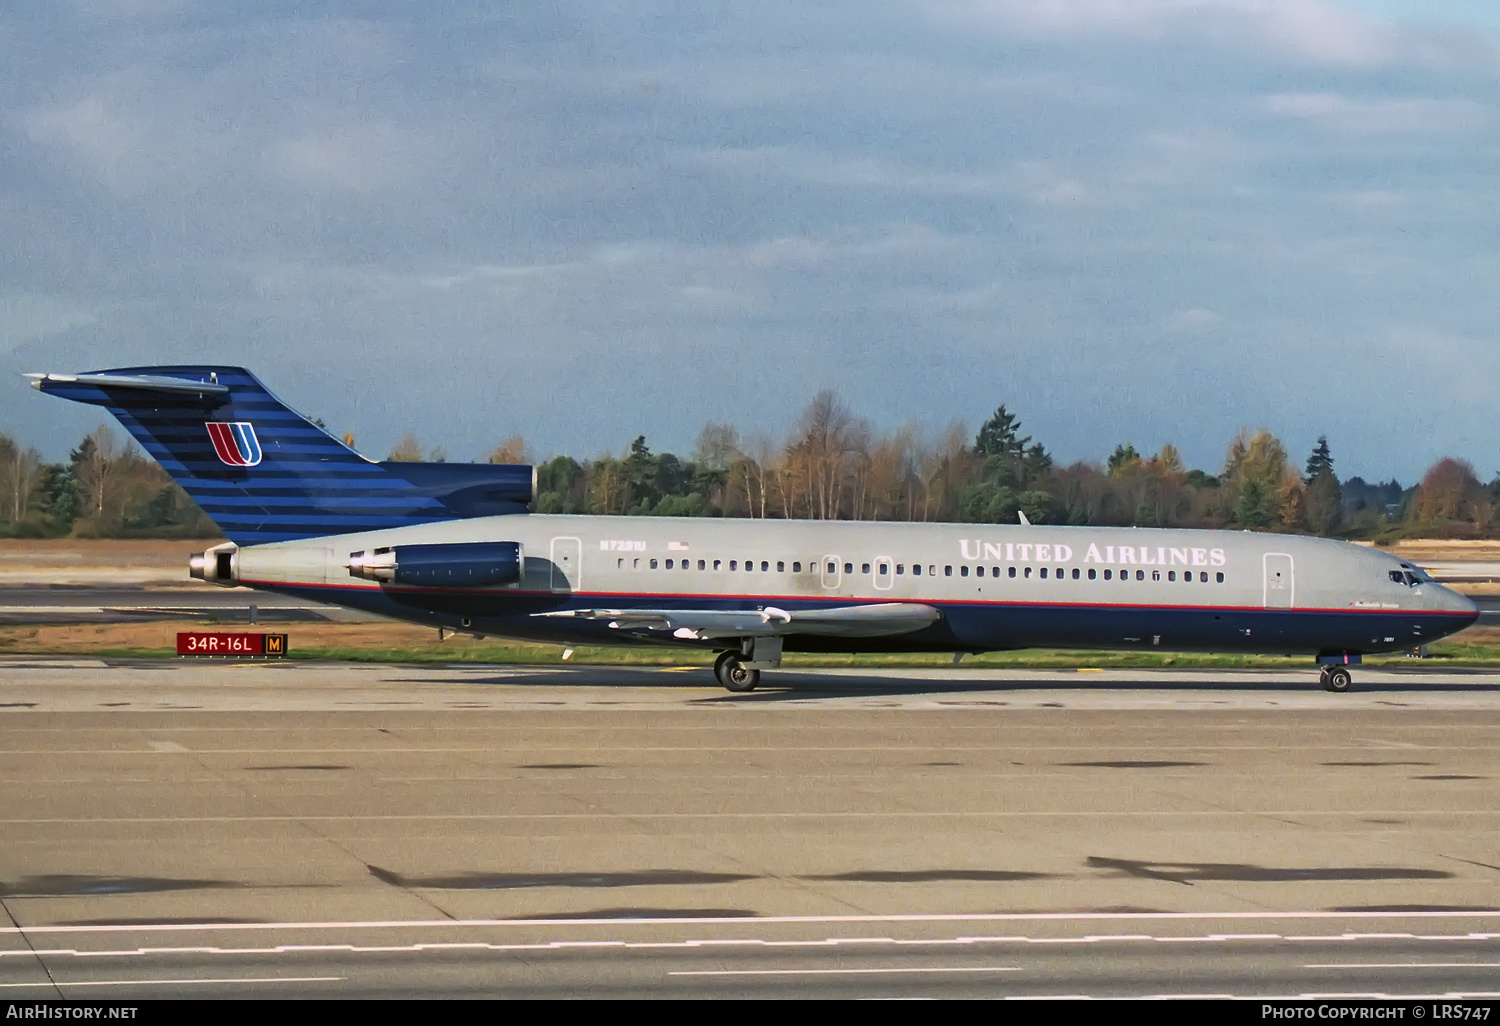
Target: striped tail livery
{"points": [[264, 473]]}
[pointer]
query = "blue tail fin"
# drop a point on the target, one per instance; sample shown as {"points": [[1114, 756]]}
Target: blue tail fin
{"points": [[264, 473]]}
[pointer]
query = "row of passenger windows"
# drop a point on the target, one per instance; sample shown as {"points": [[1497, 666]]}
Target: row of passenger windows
{"points": [[1060, 573]]}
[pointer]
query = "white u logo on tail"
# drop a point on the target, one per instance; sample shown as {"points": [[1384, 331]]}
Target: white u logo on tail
{"points": [[235, 443]]}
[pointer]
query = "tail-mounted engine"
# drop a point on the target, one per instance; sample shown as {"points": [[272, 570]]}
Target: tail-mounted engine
{"points": [[457, 565], [218, 565]]}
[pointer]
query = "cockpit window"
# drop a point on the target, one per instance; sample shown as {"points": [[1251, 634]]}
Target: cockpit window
{"points": [[1408, 575], [1412, 579], [1396, 576]]}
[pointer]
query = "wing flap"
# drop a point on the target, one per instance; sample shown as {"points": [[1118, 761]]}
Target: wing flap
{"points": [[863, 621]]}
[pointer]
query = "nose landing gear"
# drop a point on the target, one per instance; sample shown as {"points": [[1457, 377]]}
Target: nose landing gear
{"points": [[1336, 678]]}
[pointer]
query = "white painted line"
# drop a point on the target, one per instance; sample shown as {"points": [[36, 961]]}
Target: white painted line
{"points": [[646, 814], [1405, 965], [966, 917], [706, 942], [843, 972], [146, 983]]}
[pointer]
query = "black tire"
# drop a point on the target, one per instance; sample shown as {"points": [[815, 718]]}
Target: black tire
{"points": [[734, 675], [1337, 680]]}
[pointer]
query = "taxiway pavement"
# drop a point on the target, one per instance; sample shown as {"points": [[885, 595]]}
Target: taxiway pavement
{"points": [[278, 829]]}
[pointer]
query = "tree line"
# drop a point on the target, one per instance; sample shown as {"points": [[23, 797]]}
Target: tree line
{"points": [[832, 466]]}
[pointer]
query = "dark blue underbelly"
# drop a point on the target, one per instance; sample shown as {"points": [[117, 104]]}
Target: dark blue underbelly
{"points": [[964, 626]]}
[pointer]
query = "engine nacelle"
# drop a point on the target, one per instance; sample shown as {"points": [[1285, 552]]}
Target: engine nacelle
{"points": [[456, 565], [216, 565]]}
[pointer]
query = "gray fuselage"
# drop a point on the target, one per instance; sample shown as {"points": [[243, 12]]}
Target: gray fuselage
{"points": [[997, 587]]}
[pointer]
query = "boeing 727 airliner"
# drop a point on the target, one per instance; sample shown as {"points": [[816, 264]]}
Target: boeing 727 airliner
{"points": [[454, 546]]}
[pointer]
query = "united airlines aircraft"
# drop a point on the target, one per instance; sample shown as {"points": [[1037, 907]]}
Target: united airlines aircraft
{"points": [[454, 546]]}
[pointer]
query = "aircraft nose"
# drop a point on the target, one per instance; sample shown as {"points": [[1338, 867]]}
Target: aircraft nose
{"points": [[1466, 608]]}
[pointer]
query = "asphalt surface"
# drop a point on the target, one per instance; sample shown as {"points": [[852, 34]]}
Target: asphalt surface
{"points": [[213, 829], [86, 603]]}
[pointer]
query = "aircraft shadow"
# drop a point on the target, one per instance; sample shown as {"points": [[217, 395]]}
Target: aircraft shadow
{"points": [[778, 686]]}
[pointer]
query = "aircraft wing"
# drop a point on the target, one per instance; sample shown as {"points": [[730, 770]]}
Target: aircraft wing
{"points": [[862, 621]]}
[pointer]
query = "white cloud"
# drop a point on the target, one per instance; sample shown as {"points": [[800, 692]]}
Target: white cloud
{"points": [[26, 317], [1194, 321], [1315, 30], [363, 158], [1381, 116], [91, 133]]}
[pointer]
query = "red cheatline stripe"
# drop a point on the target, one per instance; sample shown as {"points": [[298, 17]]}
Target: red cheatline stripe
{"points": [[850, 599]]}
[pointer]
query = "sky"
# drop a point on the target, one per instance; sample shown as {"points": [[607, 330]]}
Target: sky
{"points": [[1139, 221]]}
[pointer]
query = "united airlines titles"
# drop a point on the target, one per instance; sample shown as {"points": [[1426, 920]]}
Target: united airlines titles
{"points": [[975, 550]]}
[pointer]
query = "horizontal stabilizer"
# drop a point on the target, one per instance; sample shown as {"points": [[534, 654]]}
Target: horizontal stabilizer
{"points": [[863, 621], [157, 383]]}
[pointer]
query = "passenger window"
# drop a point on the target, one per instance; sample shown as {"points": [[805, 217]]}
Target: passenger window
{"points": [[687, 564], [701, 565], [1027, 574], [796, 566], [885, 568], [931, 569], [669, 565], [947, 571], [635, 564], [734, 564], [1076, 573], [979, 571], [765, 566], [963, 571], [916, 569], [1059, 573], [1140, 575], [864, 568], [1155, 575], [1013, 571], [1203, 577], [1044, 573], [1220, 576], [900, 568], [653, 564], [1106, 574], [718, 563], [781, 566], [620, 563], [849, 568], [1171, 575], [833, 568], [1093, 574], [995, 572]]}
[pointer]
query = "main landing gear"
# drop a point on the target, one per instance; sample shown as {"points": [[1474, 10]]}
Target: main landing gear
{"points": [[1336, 678], [734, 674]]}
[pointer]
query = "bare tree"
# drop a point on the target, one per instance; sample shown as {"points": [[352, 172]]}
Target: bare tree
{"points": [[512, 450], [717, 447], [18, 469], [407, 450], [97, 471]]}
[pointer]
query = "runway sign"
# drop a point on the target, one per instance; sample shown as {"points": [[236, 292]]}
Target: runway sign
{"points": [[204, 643]]}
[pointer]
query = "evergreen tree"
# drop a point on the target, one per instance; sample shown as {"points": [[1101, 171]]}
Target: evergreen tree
{"points": [[1122, 458], [1321, 460], [1001, 436]]}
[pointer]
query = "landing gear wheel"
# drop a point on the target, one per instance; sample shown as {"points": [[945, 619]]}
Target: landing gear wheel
{"points": [[734, 675], [1337, 679]]}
